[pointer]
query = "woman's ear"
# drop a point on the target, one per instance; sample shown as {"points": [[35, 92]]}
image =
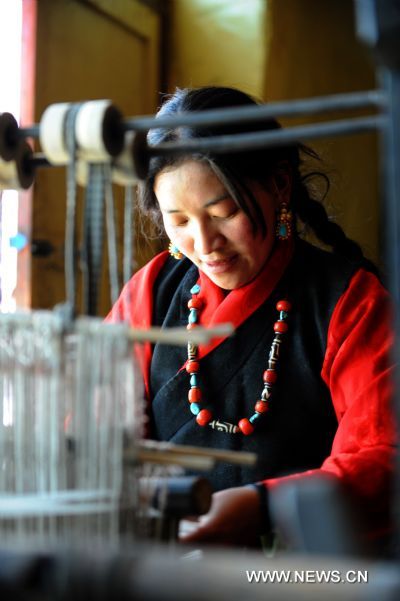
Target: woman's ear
{"points": [[282, 182]]}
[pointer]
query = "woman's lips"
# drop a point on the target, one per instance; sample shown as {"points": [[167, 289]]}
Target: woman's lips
{"points": [[221, 265]]}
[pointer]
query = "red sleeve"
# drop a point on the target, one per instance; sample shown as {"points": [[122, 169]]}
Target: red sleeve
{"points": [[357, 372], [135, 304], [135, 307]]}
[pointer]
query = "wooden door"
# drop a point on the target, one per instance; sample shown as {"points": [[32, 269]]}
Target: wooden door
{"points": [[87, 49]]}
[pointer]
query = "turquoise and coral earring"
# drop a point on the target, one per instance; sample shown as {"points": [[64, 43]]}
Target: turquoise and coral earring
{"points": [[284, 220], [174, 251]]}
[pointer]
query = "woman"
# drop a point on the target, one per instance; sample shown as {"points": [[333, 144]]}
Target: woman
{"points": [[304, 383]]}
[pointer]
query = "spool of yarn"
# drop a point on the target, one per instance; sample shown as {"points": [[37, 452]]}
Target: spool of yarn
{"points": [[52, 133], [9, 137], [19, 173], [99, 131], [133, 162]]}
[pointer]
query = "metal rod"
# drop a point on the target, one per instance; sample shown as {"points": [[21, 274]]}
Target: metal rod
{"points": [[178, 336], [184, 459], [29, 132], [40, 160], [248, 114], [233, 457], [264, 139], [391, 236]]}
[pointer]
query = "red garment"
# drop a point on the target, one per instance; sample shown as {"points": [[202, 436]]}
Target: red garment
{"points": [[355, 369], [357, 372], [135, 307]]}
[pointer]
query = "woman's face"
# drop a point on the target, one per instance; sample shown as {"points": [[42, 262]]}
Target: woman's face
{"points": [[205, 223]]}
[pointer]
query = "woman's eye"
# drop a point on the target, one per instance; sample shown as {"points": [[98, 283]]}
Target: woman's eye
{"points": [[226, 214], [225, 209], [180, 223]]}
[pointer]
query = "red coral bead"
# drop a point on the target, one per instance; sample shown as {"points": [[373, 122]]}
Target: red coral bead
{"points": [[204, 417], [192, 367], [246, 426], [261, 407], [195, 303], [270, 376], [194, 395], [281, 327], [283, 305]]}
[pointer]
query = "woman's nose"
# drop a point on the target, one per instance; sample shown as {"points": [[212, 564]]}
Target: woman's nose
{"points": [[207, 239]]}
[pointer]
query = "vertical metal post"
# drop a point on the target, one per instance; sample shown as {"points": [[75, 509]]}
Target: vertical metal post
{"points": [[391, 172], [378, 24]]}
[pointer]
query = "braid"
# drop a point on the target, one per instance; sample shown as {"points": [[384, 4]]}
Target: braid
{"points": [[313, 213]]}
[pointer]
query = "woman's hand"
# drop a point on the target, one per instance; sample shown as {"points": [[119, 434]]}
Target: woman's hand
{"points": [[234, 519]]}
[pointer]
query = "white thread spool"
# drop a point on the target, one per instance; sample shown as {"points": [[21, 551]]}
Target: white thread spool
{"points": [[99, 131], [8, 175], [19, 173], [52, 133], [132, 164], [82, 173]]}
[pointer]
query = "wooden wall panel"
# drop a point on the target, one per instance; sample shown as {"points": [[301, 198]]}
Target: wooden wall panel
{"points": [[87, 49], [219, 42], [314, 51]]}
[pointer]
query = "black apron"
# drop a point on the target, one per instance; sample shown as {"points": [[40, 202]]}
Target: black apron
{"points": [[296, 434]]}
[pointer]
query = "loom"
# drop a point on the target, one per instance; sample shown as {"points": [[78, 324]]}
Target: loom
{"points": [[76, 469], [74, 465], [72, 417]]}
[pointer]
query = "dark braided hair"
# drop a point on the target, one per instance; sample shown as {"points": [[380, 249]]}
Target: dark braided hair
{"points": [[236, 170]]}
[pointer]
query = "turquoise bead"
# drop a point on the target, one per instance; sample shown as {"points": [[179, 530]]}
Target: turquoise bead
{"points": [[193, 316], [193, 380], [254, 417], [283, 230], [195, 289], [195, 408]]}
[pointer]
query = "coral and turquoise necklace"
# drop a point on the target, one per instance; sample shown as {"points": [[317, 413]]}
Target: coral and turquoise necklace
{"points": [[204, 416]]}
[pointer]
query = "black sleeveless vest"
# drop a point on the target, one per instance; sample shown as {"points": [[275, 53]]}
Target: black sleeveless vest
{"points": [[297, 433]]}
